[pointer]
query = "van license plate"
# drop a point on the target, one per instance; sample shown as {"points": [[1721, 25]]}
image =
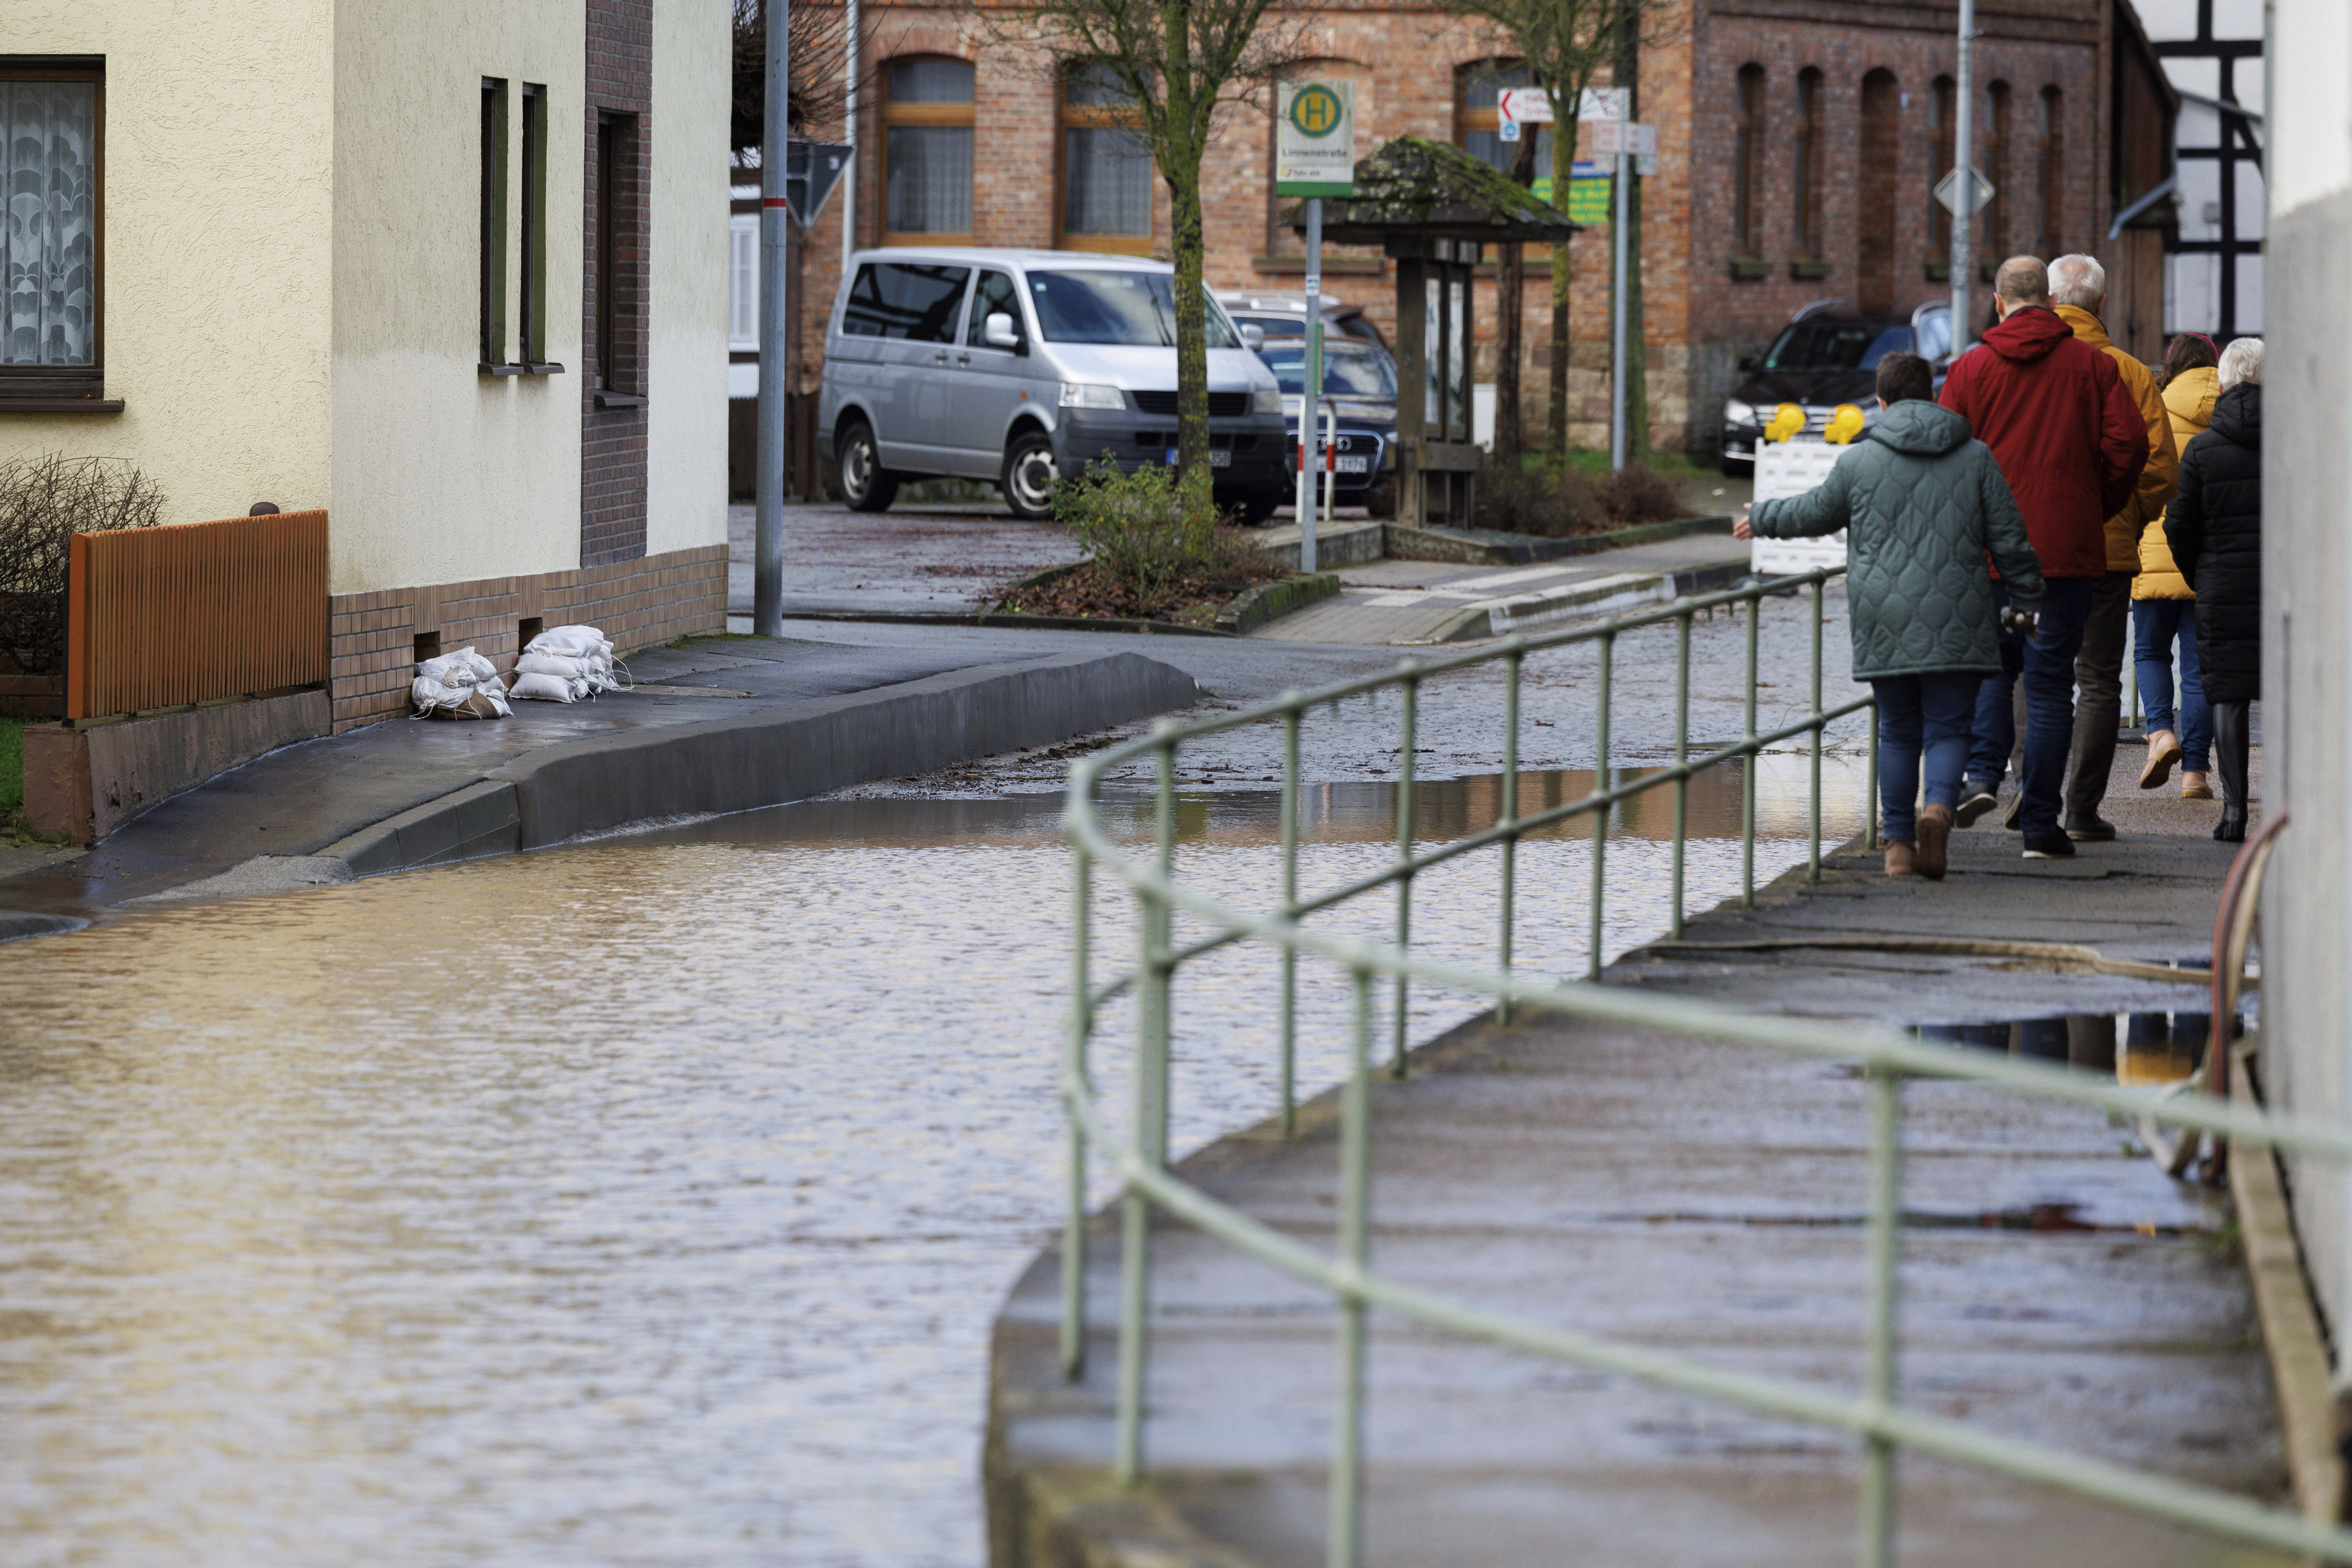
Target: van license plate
{"points": [[1217, 460], [1352, 464]]}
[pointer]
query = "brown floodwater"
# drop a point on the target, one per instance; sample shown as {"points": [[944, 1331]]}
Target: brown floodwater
{"points": [[643, 1201]]}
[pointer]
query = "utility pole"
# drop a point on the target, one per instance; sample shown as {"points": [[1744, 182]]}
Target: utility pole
{"points": [[775, 240], [1310, 482], [1964, 211], [1617, 302]]}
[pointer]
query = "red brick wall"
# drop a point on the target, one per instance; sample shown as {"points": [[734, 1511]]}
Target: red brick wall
{"points": [[1403, 59], [613, 437], [640, 603]]}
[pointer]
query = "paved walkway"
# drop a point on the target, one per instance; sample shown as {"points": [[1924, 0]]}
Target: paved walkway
{"points": [[1704, 1199]]}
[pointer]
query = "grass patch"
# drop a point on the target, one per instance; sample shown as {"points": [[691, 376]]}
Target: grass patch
{"points": [[11, 768]]}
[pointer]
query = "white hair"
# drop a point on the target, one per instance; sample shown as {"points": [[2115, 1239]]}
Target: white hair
{"points": [[2079, 282], [2242, 361]]}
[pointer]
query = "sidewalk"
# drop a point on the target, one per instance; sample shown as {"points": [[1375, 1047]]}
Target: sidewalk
{"points": [[2055, 1284]]}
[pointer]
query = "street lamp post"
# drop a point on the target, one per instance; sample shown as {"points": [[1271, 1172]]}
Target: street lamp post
{"points": [[775, 237]]}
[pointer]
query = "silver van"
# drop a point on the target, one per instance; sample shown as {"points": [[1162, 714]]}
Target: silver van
{"points": [[1023, 365]]}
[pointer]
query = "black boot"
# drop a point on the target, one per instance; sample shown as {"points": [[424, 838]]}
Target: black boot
{"points": [[2231, 747]]}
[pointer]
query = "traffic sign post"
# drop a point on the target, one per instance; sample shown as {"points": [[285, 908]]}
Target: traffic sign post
{"points": [[812, 170], [1314, 156]]}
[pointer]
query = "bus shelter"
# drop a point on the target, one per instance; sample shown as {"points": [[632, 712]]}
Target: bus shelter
{"points": [[1433, 209]]}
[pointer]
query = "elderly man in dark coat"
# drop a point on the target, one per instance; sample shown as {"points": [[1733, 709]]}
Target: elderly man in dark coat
{"points": [[2215, 530]]}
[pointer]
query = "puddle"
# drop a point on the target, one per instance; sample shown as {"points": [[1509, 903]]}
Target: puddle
{"points": [[2136, 1047]]}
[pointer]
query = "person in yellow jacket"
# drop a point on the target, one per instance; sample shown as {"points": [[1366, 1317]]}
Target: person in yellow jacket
{"points": [[2078, 289], [2164, 606]]}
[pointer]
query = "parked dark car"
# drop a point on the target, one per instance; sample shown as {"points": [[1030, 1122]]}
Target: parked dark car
{"points": [[1827, 354], [1359, 387]]}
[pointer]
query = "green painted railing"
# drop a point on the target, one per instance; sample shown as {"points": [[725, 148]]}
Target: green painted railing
{"points": [[1872, 1414]]}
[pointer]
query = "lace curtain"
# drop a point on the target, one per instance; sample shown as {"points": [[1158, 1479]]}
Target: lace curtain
{"points": [[48, 177], [930, 179], [1109, 175]]}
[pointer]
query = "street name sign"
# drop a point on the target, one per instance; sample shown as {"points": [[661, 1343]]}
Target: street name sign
{"points": [[1315, 140], [1517, 106]]}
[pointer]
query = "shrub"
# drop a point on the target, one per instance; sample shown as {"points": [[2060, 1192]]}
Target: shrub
{"points": [[1638, 494], [1556, 503], [44, 503], [1146, 530]]}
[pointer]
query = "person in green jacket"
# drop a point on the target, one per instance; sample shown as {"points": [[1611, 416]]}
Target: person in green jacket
{"points": [[1924, 505]]}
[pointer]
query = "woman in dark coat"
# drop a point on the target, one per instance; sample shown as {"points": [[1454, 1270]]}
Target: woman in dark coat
{"points": [[2215, 530]]}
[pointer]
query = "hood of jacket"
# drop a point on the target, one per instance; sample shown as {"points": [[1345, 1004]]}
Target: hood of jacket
{"points": [[2190, 396], [2028, 333], [1919, 429], [2238, 415], [2085, 326]]}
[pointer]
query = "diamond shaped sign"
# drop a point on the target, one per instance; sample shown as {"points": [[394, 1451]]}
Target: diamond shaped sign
{"points": [[1964, 193]]}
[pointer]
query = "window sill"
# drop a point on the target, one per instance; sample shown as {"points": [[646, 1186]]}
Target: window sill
{"points": [[1939, 271], [502, 370], [547, 369], [59, 405], [1745, 267], [1809, 268], [1333, 266], [619, 399]]}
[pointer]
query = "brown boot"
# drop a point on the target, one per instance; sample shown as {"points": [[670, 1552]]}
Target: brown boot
{"points": [[2163, 750], [1899, 858], [2196, 786], [1935, 833]]}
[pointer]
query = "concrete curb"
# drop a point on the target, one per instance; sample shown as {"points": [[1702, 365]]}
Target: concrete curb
{"points": [[1000, 618], [783, 753], [1350, 544], [1582, 601], [1253, 607], [1486, 547]]}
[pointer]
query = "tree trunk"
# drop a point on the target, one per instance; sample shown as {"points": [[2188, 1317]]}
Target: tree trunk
{"points": [[1627, 72], [1192, 338], [1510, 315], [1563, 170]]}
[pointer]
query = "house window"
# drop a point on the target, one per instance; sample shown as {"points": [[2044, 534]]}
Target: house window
{"points": [[494, 223], [1808, 171], [2050, 170], [619, 257], [1477, 125], [1942, 109], [743, 281], [52, 121], [532, 316], [1106, 164], [926, 151], [1997, 210], [1747, 165]]}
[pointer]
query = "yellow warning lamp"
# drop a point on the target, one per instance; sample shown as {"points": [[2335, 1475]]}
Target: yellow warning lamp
{"points": [[1787, 420], [1844, 424]]}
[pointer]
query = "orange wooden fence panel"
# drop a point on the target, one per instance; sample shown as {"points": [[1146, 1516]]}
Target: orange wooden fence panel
{"points": [[159, 617]]}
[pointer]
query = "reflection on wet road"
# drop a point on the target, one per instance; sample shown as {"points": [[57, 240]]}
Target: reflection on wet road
{"points": [[639, 1202]]}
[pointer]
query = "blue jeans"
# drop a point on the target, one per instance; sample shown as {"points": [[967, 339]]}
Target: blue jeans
{"points": [[2157, 625], [2046, 660], [1916, 713]]}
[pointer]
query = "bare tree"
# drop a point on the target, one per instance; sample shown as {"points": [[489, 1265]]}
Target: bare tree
{"points": [[1564, 43], [1184, 65], [1510, 313], [44, 503], [821, 52]]}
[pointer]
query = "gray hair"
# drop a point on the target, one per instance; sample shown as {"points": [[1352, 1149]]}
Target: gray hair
{"points": [[2242, 361], [2079, 282]]}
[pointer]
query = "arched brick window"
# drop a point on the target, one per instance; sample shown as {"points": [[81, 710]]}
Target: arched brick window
{"points": [[1943, 109], [1807, 185], [1105, 179], [1997, 153], [2050, 176], [926, 151], [1747, 165], [1874, 240]]}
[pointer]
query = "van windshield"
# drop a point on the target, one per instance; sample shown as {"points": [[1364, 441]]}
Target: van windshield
{"points": [[1135, 309]]}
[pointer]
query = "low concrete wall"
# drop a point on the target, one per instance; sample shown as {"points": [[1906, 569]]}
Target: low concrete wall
{"points": [[783, 753], [1336, 544], [1253, 607], [1484, 547], [87, 781]]}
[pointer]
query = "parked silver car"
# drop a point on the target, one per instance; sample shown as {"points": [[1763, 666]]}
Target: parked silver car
{"points": [[1023, 365]]}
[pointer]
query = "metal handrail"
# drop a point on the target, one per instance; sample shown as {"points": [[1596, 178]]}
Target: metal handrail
{"points": [[1141, 1164]]}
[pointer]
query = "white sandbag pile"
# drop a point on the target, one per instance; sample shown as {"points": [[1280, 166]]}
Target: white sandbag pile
{"points": [[566, 664], [461, 685]]}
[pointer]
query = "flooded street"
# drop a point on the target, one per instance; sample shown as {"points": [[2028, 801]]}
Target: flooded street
{"points": [[644, 1201]]}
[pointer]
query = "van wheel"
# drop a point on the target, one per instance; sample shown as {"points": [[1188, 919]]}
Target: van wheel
{"points": [[1029, 475], [865, 484]]}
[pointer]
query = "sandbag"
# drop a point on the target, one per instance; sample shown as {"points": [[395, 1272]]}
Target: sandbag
{"points": [[479, 702], [571, 642], [557, 665], [546, 687]]}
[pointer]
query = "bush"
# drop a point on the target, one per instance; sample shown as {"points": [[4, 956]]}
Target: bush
{"points": [[44, 503], [1147, 531], [1559, 500], [1636, 494]]}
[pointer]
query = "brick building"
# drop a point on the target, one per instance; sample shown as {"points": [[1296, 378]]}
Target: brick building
{"points": [[1798, 142]]}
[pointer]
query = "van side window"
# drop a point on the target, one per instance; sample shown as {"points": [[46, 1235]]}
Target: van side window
{"points": [[914, 301], [995, 293]]}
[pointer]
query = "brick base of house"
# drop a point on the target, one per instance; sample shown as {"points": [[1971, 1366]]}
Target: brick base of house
{"points": [[638, 604]]}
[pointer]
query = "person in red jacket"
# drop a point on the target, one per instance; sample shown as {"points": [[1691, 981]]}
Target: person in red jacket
{"points": [[2071, 443]]}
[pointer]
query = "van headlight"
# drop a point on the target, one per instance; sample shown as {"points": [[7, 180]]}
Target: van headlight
{"points": [[1737, 413], [1079, 394], [1265, 400]]}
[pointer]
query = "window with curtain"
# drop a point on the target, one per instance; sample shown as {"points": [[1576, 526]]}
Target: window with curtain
{"points": [[2050, 174], [1477, 127], [1106, 164], [1747, 165], [1807, 185], [1942, 111], [1997, 171], [50, 125], [926, 150], [743, 281]]}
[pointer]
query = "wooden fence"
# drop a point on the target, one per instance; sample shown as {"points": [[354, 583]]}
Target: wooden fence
{"points": [[160, 617]]}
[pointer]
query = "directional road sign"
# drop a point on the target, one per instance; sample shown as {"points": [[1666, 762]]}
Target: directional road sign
{"points": [[811, 171], [1964, 193]]}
